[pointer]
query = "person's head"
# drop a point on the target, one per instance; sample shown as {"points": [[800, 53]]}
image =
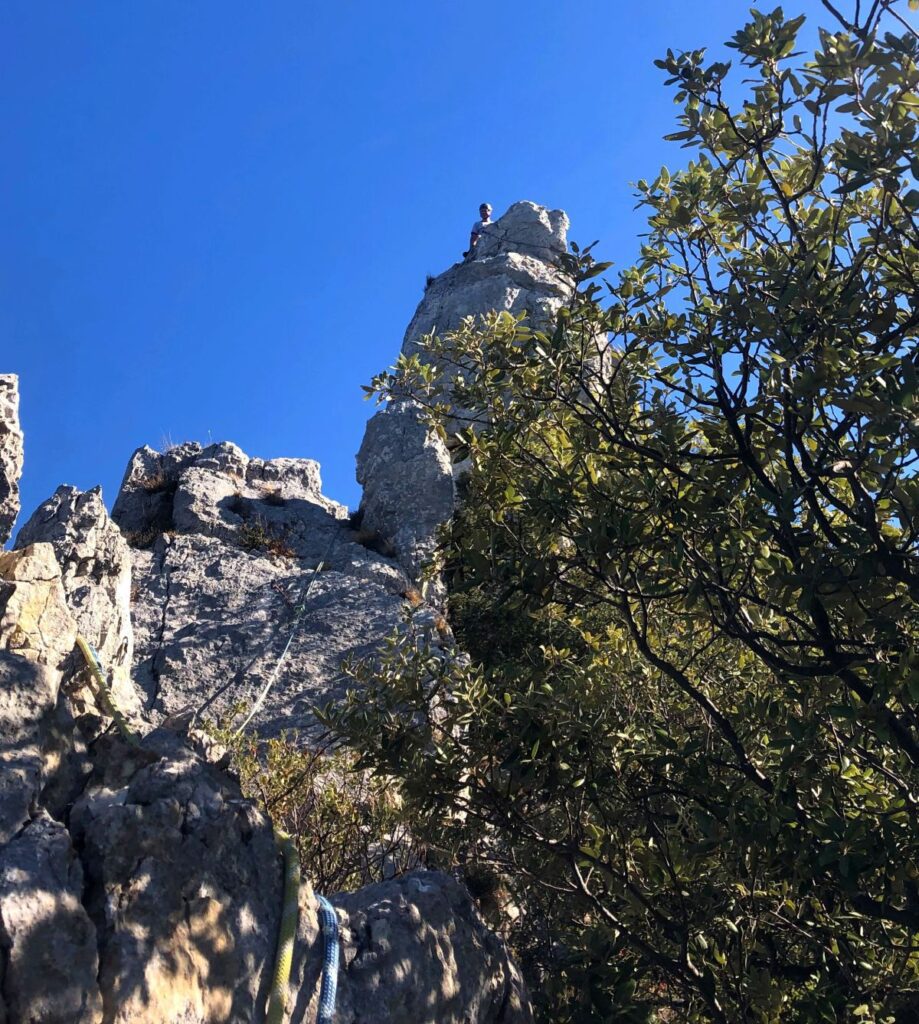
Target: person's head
{"points": [[485, 211]]}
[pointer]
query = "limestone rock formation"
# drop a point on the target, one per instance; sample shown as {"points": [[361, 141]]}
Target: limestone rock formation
{"points": [[402, 466], [183, 885], [184, 890], [28, 695], [149, 890], [408, 483], [136, 883], [515, 269], [225, 547], [10, 453], [34, 619], [46, 934], [416, 949], [95, 564]]}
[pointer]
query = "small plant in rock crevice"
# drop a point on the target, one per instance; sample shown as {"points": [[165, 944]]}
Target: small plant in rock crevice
{"points": [[257, 534]]}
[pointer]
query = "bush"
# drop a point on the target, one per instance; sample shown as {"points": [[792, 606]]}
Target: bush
{"points": [[349, 827], [688, 576]]}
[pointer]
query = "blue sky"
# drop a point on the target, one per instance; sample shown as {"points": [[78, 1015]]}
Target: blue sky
{"points": [[217, 216]]}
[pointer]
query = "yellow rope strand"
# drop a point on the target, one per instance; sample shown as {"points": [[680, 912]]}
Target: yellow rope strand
{"points": [[287, 930], [103, 693]]}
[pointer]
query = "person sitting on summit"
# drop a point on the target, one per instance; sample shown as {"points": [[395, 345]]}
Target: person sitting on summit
{"points": [[478, 229]]}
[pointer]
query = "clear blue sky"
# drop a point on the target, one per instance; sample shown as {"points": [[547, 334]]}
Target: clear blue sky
{"points": [[217, 216]]}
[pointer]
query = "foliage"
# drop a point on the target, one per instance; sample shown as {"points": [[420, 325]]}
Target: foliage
{"points": [[686, 571], [257, 534], [349, 827]]}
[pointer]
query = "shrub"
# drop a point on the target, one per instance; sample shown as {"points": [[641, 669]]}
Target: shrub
{"points": [[271, 495], [157, 482], [687, 735], [349, 826]]}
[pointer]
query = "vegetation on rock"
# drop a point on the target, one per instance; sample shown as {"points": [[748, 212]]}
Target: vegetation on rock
{"points": [[686, 738]]}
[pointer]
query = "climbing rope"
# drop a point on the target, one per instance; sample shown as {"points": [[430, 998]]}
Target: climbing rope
{"points": [[290, 908], [287, 929], [328, 921], [287, 934], [295, 625], [103, 691]]}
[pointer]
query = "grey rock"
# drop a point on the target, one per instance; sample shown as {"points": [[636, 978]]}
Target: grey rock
{"points": [[48, 958], [515, 270], [184, 887], [11, 453], [183, 884], [144, 502], [404, 467], [212, 620], [34, 619], [407, 477], [415, 949], [527, 228], [28, 695], [95, 564], [216, 594]]}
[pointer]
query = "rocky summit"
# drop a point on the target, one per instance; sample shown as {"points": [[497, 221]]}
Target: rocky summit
{"points": [[137, 884]]}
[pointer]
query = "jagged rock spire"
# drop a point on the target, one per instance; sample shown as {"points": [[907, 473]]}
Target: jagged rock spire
{"points": [[404, 468]]}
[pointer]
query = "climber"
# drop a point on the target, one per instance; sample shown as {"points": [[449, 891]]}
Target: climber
{"points": [[478, 229]]}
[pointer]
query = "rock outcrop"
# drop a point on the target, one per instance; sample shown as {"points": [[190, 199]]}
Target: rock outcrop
{"points": [[10, 454], [46, 934], [225, 548], [35, 621], [515, 269], [407, 477], [402, 465], [137, 884], [95, 565]]}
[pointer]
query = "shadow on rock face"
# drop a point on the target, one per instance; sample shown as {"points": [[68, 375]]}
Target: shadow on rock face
{"points": [[183, 885]]}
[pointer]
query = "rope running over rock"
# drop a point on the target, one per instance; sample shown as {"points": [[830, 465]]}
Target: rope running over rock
{"points": [[103, 691], [287, 935]]}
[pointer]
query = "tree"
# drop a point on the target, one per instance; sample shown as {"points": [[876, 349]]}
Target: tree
{"points": [[686, 575]]}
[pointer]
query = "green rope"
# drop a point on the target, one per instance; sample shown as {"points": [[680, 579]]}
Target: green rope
{"points": [[103, 692]]}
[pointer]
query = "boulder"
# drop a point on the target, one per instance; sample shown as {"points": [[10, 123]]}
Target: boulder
{"points": [[190, 489], [183, 885], [48, 957], [407, 477], [28, 696], [10, 454], [95, 564], [416, 951]]}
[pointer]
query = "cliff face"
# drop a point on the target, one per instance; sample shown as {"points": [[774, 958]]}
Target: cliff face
{"points": [[10, 454], [224, 549], [136, 884]]}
